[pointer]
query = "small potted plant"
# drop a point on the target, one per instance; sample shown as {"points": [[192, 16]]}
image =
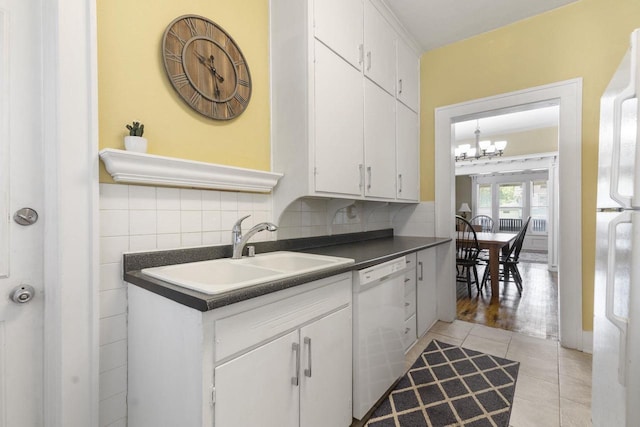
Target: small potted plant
{"points": [[134, 141]]}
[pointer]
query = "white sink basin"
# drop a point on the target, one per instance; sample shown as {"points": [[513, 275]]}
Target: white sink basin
{"points": [[225, 274]]}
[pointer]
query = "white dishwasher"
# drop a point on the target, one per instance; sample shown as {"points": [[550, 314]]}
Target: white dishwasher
{"points": [[378, 330]]}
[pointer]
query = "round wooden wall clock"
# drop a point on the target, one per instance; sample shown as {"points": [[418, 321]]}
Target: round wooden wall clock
{"points": [[206, 67]]}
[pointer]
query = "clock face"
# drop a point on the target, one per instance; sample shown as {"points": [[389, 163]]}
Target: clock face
{"points": [[206, 67]]}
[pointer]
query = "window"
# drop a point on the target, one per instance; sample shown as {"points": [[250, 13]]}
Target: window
{"points": [[510, 201], [484, 200], [539, 206]]}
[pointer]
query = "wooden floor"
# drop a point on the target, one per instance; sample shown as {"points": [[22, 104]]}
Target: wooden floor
{"points": [[535, 313]]}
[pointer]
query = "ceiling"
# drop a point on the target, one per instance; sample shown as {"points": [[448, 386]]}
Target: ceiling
{"points": [[519, 121], [435, 23]]}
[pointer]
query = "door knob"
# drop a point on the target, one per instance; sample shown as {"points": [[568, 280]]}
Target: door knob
{"points": [[25, 216], [22, 294]]}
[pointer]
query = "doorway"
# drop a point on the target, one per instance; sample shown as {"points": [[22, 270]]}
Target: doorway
{"points": [[567, 95], [505, 172]]}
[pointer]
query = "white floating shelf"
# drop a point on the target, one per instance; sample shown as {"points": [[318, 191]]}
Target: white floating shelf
{"points": [[149, 169]]}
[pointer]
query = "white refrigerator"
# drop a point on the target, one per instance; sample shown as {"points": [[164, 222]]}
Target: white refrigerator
{"points": [[616, 334]]}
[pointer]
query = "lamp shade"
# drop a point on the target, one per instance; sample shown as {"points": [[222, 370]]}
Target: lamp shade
{"points": [[464, 208]]}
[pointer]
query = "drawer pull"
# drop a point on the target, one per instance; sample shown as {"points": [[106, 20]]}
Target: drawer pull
{"points": [[307, 372], [296, 350], [406, 330], [407, 280], [421, 271]]}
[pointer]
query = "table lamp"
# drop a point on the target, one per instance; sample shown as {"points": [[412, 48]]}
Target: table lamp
{"points": [[464, 208]]}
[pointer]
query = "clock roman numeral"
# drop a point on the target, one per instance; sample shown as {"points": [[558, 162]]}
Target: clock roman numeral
{"points": [[238, 63], [191, 23], [180, 80], [209, 29], [214, 109], [176, 57], [195, 98], [240, 99], [243, 82], [177, 36], [229, 110]]}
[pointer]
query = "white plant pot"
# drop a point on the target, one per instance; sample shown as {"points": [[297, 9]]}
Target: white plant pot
{"points": [[135, 143]]}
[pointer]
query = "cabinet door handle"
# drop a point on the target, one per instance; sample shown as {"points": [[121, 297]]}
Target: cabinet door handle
{"points": [[421, 271], [399, 86], [296, 350], [407, 280], [361, 172], [369, 175], [368, 60], [307, 372], [400, 183]]}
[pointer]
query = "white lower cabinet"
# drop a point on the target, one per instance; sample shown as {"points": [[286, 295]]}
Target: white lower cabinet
{"points": [[282, 359], [300, 379], [426, 303]]}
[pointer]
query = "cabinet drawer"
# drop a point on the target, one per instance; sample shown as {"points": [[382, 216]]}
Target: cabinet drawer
{"points": [[244, 330], [411, 260], [409, 299], [409, 332]]}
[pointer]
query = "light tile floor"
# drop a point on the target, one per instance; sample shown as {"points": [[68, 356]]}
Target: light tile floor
{"points": [[554, 383]]}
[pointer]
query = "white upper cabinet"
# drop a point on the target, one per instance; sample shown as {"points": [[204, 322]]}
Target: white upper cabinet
{"points": [[334, 125], [407, 153], [379, 49], [408, 84], [338, 126], [339, 25], [379, 137]]}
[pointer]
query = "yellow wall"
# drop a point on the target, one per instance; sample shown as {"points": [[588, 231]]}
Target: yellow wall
{"points": [[585, 39], [132, 84]]}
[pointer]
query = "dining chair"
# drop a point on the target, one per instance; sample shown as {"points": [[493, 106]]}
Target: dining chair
{"points": [[467, 250], [509, 262], [484, 221]]}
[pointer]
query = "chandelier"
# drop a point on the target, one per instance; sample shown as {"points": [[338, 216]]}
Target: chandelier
{"points": [[482, 149]]}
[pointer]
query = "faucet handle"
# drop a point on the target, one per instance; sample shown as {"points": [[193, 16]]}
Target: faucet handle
{"points": [[238, 225]]}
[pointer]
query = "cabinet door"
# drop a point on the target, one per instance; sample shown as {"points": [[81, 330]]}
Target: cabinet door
{"points": [[338, 24], [338, 124], [408, 84], [256, 389], [426, 302], [325, 392], [407, 153], [380, 49], [379, 137]]}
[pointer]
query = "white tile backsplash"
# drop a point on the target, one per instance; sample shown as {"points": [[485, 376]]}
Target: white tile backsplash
{"points": [[142, 222], [112, 382], [113, 355], [191, 221], [168, 221], [113, 329], [114, 223], [168, 199], [142, 198], [168, 241], [111, 276], [190, 200]]}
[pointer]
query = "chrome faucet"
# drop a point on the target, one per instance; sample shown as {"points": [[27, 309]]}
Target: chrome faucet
{"points": [[239, 241]]}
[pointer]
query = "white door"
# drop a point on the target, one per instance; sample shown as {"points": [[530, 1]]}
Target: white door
{"points": [[325, 371], [21, 247], [338, 24], [426, 304], [407, 153], [261, 387], [408, 76], [379, 142], [338, 124], [380, 49]]}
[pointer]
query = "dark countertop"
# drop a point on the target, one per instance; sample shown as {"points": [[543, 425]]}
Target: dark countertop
{"points": [[367, 249]]}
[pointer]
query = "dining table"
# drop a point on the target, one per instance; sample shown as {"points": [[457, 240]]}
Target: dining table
{"points": [[494, 242]]}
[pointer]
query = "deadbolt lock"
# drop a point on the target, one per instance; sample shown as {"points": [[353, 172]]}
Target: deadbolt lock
{"points": [[22, 294]]}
